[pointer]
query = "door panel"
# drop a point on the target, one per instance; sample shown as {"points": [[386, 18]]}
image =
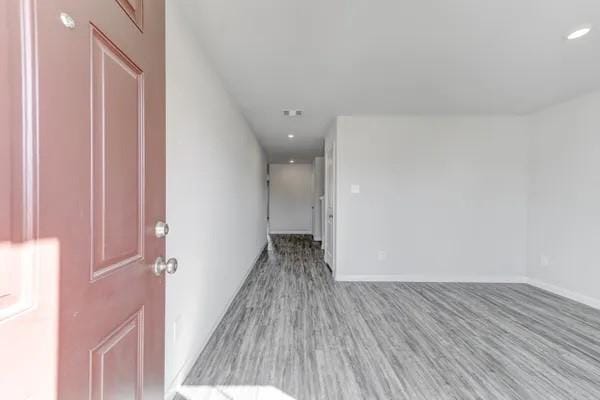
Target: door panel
{"points": [[135, 11], [15, 226], [117, 157], [28, 264], [117, 362], [85, 114]]}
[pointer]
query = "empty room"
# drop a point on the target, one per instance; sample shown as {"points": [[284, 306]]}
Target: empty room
{"points": [[299, 200]]}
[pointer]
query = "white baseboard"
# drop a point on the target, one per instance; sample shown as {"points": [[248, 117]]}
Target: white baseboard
{"points": [[185, 369], [291, 232], [569, 294], [429, 279], [580, 298]]}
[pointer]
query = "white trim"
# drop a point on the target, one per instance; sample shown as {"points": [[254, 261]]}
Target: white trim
{"points": [[569, 294], [331, 190], [290, 232], [430, 279], [185, 369]]}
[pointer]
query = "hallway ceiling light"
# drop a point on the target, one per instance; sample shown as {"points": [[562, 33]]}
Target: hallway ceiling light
{"points": [[292, 161], [291, 136], [579, 32]]}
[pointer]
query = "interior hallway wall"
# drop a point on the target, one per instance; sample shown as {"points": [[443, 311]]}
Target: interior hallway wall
{"points": [[473, 198], [291, 198], [216, 197], [564, 199], [431, 198]]}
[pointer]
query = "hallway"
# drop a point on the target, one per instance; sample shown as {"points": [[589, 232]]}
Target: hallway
{"points": [[293, 328]]}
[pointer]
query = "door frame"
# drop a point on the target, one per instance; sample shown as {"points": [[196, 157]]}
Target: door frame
{"points": [[318, 192], [330, 198]]}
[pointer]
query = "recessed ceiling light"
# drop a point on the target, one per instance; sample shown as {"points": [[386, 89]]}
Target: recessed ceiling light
{"points": [[291, 135], [293, 113], [292, 161], [579, 32]]}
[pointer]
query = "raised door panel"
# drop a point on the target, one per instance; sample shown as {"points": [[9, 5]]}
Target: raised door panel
{"points": [[13, 170], [117, 158], [28, 264], [134, 10], [117, 362]]}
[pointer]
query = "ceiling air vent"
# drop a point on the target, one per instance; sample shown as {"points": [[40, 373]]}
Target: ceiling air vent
{"points": [[292, 113]]}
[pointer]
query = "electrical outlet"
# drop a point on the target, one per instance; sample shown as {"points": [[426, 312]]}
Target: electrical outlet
{"points": [[381, 255], [544, 261]]}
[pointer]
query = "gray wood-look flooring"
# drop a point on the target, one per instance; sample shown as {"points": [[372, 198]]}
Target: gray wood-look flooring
{"points": [[292, 327]]}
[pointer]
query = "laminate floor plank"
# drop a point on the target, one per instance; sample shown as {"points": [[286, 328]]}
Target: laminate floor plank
{"points": [[293, 328]]}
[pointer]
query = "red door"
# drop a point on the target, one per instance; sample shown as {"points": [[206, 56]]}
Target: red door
{"points": [[82, 177]]}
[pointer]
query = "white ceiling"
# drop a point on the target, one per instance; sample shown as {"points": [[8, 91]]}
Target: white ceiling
{"points": [[344, 57]]}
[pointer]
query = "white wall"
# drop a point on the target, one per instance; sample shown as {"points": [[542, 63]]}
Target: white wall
{"points": [[216, 197], [441, 198], [291, 198], [564, 199]]}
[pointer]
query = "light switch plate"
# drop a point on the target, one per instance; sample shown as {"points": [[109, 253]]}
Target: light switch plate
{"points": [[355, 189]]}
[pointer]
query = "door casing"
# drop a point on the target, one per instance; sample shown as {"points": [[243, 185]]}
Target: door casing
{"points": [[330, 205]]}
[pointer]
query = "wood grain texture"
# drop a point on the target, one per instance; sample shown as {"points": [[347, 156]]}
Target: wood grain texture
{"points": [[292, 327]]}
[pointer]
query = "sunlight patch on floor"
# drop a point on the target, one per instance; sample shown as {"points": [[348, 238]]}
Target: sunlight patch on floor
{"points": [[233, 393]]}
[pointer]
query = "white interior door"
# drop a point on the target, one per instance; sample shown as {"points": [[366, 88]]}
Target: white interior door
{"points": [[330, 206], [318, 190]]}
